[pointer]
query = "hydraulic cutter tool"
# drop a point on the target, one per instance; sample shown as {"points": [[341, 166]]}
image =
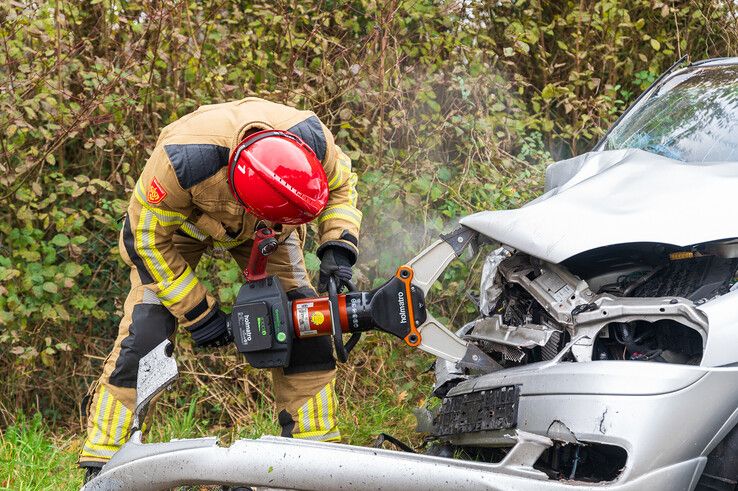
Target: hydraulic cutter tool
{"points": [[264, 322]]}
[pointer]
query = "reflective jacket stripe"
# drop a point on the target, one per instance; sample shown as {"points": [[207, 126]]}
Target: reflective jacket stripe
{"points": [[190, 229], [151, 249], [175, 291], [343, 212]]}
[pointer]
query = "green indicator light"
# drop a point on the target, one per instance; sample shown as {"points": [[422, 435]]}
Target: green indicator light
{"points": [[276, 318], [281, 337]]}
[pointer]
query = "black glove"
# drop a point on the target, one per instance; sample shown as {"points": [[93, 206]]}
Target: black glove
{"points": [[212, 331], [335, 262]]}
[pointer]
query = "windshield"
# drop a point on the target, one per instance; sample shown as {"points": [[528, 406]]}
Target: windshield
{"points": [[692, 116]]}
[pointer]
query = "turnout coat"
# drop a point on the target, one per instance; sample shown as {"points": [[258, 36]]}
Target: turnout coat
{"points": [[183, 190]]}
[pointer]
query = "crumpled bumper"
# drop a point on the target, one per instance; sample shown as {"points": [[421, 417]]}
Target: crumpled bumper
{"points": [[276, 462]]}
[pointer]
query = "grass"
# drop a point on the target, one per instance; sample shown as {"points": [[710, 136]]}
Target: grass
{"points": [[377, 389], [32, 458]]}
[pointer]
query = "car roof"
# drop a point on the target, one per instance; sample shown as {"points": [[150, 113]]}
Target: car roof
{"points": [[716, 61]]}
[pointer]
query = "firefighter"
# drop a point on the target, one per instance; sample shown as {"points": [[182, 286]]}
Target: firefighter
{"points": [[214, 177]]}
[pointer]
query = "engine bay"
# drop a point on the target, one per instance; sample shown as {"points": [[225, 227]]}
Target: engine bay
{"points": [[626, 302]]}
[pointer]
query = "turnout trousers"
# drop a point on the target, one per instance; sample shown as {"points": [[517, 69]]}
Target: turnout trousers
{"points": [[304, 391]]}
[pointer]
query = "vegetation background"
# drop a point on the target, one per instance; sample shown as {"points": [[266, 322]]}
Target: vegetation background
{"points": [[445, 106]]}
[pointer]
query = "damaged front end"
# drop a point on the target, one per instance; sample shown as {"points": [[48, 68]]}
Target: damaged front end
{"points": [[568, 316], [568, 335], [641, 310], [568, 320]]}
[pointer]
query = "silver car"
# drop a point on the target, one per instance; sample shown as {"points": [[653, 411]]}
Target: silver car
{"points": [[613, 306]]}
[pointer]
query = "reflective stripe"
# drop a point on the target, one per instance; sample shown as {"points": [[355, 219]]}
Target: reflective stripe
{"points": [[337, 179], [344, 175], [316, 419], [319, 436], [149, 297], [109, 417], [326, 412], [144, 238], [342, 212], [353, 195], [303, 417], [172, 292], [227, 244], [343, 159], [112, 423], [125, 419], [317, 412], [172, 289], [156, 254], [190, 229], [129, 242], [98, 451], [102, 404]]}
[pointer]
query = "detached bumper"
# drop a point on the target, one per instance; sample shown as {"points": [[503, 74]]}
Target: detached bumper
{"points": [[287, 463]]}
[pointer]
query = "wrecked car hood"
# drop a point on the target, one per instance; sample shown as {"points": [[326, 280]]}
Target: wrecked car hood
{"points": [[619, 196]]}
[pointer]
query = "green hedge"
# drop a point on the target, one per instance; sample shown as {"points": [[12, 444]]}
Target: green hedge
{"points": [[445, 107]]}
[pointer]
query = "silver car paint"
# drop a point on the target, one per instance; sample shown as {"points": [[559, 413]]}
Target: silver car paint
{"points": [[304, 465], [656, 412], [722, 341], [664, 416]]}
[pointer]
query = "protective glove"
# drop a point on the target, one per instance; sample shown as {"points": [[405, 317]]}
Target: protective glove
{"points": [[335, 262], [212, 331]]}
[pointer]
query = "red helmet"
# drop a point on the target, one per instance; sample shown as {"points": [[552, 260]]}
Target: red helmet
{"points": [[277, 177]]}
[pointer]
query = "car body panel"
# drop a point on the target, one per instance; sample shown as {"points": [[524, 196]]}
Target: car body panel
{"points": [[722, 341], [296, 464], [595, 378], [658, 200], [657, 430]]}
